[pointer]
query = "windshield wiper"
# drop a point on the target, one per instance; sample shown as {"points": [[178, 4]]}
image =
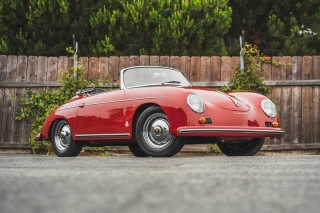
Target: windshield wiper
{"points": [[170, 82]]}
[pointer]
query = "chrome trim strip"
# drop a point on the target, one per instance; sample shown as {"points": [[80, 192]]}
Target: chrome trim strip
{"points": [[103, 135], [134, 99], [66, 108], [186, 131]]}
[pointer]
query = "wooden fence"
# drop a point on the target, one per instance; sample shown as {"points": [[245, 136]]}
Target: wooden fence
{"points": [[295, 88]]}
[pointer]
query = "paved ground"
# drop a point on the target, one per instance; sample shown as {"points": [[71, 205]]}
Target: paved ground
{"points": [[39, 184]]}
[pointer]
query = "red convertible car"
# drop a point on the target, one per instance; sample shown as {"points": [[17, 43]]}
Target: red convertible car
{"points": [[156, 111]]}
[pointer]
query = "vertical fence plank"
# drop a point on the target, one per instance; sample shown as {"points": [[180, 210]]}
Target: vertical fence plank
{"points": [[31, 77], [195, 69], [71, 64], [124, 62], [215, 74], [8, 110], [154, 60], [316, 100], [63, 64], [164, 61], [306, 100], [114, 68], [266, 71], [185, 64], [134, 60], [225, 68], [32, 68], [3, 70], [175, 62], [144, 60], [93, 68], [286, 110], [296, 101], [205, 69], [42, 69], [104, 69], [235, 64], [84, 61], [52, 74], [276, 73], [19, 126]]}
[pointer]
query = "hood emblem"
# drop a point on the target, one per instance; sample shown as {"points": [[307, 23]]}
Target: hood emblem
{"points": [[126, 124]]}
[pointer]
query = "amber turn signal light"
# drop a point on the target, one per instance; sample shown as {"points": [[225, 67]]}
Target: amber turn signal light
{"points": [[275, 124], [202, 120]]}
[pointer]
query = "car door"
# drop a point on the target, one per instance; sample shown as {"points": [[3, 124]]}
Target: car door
{"points": [[101, 115]]}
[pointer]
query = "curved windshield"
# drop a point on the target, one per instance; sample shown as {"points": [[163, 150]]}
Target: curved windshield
{"points": [[151, 76]]}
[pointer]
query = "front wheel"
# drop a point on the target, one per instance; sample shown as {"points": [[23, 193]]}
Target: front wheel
{"points": [[62, 141], [249, 148], [153, 134]]}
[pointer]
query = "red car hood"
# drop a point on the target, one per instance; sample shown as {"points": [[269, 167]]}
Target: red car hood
{"points": [[221, 100]]}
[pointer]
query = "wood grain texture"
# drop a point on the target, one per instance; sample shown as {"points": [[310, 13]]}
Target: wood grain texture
{"points": [[266, 70], [307, 71], [185, 66], [3, 67], [296, 127], [205, 68], [215, 72], [42, 68], [22, 69], [134, 60], [144, 60], [7, 118], [225, 68], [165, 61], [306, 117], [124, 62], [235, 64], [316, 67], [195, 69], [103, 69], [114, 74], [175, 62], [93, 68], [296, 68], [11, 71], [154, 60], [62, 66], [52, 74]]}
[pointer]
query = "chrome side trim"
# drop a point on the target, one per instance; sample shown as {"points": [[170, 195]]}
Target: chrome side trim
{"points": [[66, 108], [111, 135], [186, 131]]}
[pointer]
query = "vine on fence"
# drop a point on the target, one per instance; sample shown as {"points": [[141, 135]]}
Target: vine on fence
{"points": [[251, 79], [37, 105]]}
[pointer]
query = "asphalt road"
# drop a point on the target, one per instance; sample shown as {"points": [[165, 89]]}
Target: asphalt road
{"points": [[40, 184]]}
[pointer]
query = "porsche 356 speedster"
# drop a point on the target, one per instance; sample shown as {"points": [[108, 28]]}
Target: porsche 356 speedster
{"points": [[156, 111]]}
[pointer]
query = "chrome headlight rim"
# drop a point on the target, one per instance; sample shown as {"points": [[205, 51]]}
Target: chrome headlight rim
{"points": [[202, 105], [273, 112]]}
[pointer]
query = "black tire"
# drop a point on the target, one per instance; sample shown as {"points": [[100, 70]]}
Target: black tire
{"points": [[137, 151], [62, 142], [249, 148], [153, 134]]}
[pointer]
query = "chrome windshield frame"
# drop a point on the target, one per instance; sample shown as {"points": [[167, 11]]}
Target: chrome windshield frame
{"points": [[123, 87]]}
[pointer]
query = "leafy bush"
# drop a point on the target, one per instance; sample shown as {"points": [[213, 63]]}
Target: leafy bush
{"points": [[37, 105]]}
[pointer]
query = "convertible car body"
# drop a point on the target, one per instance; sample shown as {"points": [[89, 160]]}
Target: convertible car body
{"points": [[156, 111]]}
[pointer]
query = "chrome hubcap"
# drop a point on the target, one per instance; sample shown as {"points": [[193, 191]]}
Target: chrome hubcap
{"points": [[62, 136], [156, 131]]}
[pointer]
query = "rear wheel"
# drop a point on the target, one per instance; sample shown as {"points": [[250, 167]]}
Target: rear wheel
{"points": [[62, 141], [153, 134], [249, 148]]}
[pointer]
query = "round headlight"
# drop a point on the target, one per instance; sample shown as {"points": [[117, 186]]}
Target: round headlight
{"points": [[195, 103], [269, 108]]}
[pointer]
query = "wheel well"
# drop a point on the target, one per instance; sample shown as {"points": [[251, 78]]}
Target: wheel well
{"points": [[51, 126], [137, 115]]}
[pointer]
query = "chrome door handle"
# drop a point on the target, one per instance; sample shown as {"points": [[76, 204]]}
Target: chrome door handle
{"points": [[81, 105]]}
